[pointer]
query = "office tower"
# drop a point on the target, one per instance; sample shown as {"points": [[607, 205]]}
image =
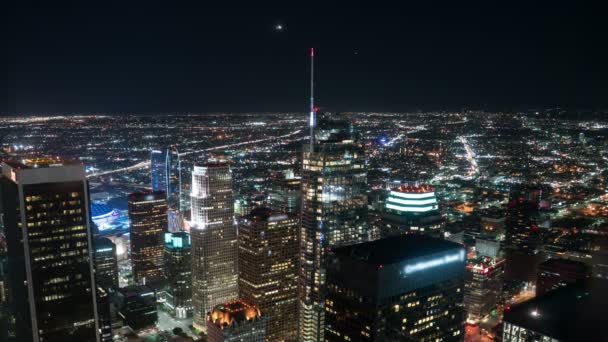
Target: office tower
{"points": [[268, 269], [334, 213], [105, 314], [106, 265], [410, 209], [402, 288], [286, 194], [165, 170], [555, 273], [45, 206], [214, 240], [158, 169], [148, 216], [576, 312], [236, 321], [136, 306], [484, 279], [178, 271]]}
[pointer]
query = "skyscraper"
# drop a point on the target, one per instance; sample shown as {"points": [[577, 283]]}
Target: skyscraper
{"points": [[268, 270], [334, 213], [402, 288], [165, 170], [44, 203], [148, 216], [106, 265], [158, 169], [214, 240], [178, 271]]}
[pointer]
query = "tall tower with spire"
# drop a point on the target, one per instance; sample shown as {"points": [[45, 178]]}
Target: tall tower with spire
{"points": [[334, 209]]}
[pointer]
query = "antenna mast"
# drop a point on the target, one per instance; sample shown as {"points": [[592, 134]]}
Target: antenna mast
{"points": [[312, 99]]}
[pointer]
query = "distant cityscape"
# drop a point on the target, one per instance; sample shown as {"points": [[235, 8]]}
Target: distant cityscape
{"points": [[462, 225]]}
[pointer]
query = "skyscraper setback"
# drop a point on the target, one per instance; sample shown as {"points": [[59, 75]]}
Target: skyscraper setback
{"points": [[214, 240], [46, 215], [268, 269], [148, 216]]}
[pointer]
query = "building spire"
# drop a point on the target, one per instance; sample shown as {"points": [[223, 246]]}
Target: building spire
{"points": [[312, 119]]}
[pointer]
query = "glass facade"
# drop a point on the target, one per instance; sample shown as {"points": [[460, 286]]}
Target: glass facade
{"points": [[268, 269], [334, 213], [148, 218], [50, 266], [214, 240], [178, 271]]}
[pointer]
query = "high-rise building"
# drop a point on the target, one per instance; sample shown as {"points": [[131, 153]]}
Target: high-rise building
{"points": [[44, 203], [178, 271], [148, 217], [268, 270], [166, 175], [106, 264], [483, 285], [555, 273], [411, 209], [576, 312], [334, 213], [214, 240], [136, 306], [286, 194], [158, 169], [401, 288], [236, 321]]}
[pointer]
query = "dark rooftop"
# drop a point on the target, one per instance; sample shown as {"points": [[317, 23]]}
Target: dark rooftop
{"points": [[396, 249], [573, 313]]}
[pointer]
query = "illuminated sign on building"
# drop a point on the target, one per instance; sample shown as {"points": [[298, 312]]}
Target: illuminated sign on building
{"points": [[446, 259], [414, 202]]}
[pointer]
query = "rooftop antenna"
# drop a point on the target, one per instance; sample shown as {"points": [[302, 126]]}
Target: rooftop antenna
{"points": [[312, 99]]}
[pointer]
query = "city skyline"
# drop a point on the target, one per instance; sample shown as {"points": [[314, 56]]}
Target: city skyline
{"points": [[271, 172]]}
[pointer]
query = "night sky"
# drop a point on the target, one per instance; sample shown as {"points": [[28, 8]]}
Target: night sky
{"points": [[207, 56]]}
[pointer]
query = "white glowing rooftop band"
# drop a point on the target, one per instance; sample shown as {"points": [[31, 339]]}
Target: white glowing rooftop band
{"points": [[410, 195], [414, 202], [411, 209], [446, 259]]}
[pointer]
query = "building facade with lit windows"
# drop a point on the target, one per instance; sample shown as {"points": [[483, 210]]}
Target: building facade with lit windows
{"points": [[411, 209], [106, 264], [334, 213], [402, 288], [214, 240], [268, 269], [148, 221], [45, 209], [236, 321], [484, 279], [178, 272]]}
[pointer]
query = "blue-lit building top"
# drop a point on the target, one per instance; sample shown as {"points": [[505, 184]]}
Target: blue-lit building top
{"points": [[177, 240]]}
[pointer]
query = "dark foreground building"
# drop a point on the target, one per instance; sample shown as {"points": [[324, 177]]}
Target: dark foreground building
{"points": [[576, 312], [136, 306], [403, 288], [45, 209]]}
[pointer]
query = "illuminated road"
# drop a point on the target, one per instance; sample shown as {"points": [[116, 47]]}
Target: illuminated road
{"points": [[470, 156], [146, 164]]}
